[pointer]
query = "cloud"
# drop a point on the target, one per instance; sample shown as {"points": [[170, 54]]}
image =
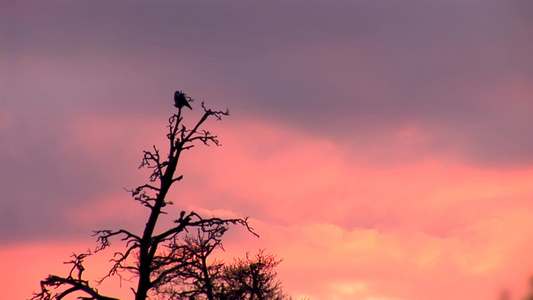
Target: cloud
{"points": [[56, 166], [382, 145], [343, 71], [401, 264], [351, 227]]}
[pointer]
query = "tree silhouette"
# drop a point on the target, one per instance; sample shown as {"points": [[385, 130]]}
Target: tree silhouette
{"points": [[253, 278], [173, 263]]}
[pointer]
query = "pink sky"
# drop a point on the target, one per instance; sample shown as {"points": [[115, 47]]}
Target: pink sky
{"points": [[383, 151]]}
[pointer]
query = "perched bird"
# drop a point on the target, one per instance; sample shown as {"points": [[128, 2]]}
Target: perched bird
{"points": [[180, 100]]}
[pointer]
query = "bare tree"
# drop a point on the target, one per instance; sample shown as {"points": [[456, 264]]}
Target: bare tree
{"points": [[199, 276], [253, 278], [170, 262]]}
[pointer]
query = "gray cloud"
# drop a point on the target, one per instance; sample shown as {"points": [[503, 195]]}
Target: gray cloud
{"points": [[345, 70], [42, 178]]}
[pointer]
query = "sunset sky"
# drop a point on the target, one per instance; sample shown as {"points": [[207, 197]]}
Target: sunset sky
{"points": [[382, 149]]}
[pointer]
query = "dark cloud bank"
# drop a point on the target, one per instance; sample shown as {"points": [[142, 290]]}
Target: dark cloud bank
{"points": [[459, 70]]}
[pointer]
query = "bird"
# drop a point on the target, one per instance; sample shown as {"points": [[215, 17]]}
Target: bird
{"points": [[180, 100]]}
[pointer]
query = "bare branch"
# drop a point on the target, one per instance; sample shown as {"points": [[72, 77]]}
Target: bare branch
{"points": [[173, 261], [119, 264], [104, 235], [152, 160], [73, 281]]}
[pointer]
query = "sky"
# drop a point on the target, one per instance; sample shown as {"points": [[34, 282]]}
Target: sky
{"points": [[382, 149]]}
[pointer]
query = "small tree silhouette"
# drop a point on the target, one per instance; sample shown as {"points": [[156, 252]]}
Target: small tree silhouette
{"points": [[253, 278], [172, 264]]}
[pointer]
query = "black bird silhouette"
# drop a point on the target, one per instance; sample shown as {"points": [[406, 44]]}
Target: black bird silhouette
{"points": [[180, 100]]}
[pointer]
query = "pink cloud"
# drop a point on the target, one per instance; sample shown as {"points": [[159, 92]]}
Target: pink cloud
{"points": [[345, 228], [413, 229], [383, 156]]}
